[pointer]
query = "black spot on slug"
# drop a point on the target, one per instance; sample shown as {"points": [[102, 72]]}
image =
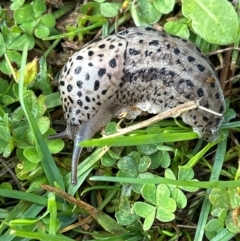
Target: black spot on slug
{"points": [[168, 46], [79, 84], [78, 70], [198, 49], [79, 93], [90, 53], [189, 83], [62, 83], [217, 96], [205, 119], [154, 43], [200, 67], [69, 88], [70, 99], [96, 85], [133, 51], [113, 63], [111, 46], [176, 51], [200, 92], [221, 109], [87, 99], [171, 73], [79, 57], [104, 92], [191, 59], [102, 46], [101, 72], [87, 77], [178, 61], [212, 85]]}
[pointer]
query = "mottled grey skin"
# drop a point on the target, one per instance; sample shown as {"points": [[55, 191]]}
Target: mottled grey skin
{"points": [[138, 67]]}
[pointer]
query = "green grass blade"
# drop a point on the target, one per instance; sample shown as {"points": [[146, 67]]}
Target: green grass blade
{"points": [[48, 163], [217, 167], [140, 139]]}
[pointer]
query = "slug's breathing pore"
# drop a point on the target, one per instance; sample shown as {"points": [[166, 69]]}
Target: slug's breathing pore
{"points": [[138, 67]]}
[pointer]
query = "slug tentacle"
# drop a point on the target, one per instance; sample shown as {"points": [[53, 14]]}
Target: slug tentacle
{"points": [[78, 135], [138, 69]]}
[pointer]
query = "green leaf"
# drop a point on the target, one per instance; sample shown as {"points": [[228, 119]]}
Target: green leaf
{"points": [[3, 145], [2, 46], [18, 43], [41, 31], [219, 27], [43, 124], [111, 128], [161, 192], [149, 192], [165, 160], [166, 206], [163, 214], [179, 198], [164, 6], [220, 198], [8, 100], [156, 160], [5, 133], [147, 149], [144, 164], [128, 166], [234, 197], [125, 216], [38, 8], [177, 28], [169, 174], [28, 27], [110, 10], [23, 15], [48, 20], [185, 173], [146, 211], [14, 57], [55, 146], [16, 4], [32, 155], [147, 11], [214, 225], [107, 160], [233, 221]]}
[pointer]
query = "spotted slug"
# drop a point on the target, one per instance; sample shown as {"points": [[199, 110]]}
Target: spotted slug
{"points": [[138, 68]]}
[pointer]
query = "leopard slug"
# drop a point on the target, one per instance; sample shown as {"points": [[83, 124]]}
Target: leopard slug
{"points": [[139, 67]]}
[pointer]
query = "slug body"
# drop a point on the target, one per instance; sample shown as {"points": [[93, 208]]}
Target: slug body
{"points": [[141, 68]]}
